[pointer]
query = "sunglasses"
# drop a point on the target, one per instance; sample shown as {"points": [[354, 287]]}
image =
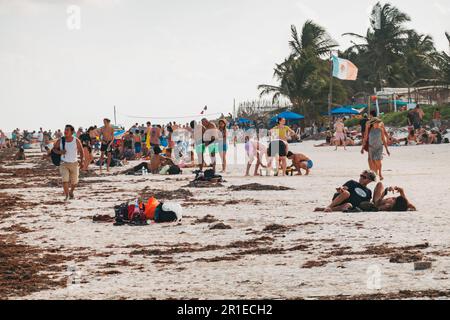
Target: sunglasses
{"points": [[364, 177]]}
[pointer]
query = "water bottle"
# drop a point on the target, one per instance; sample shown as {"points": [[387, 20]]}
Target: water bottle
{"points": [[136, 207], [143, 171]]}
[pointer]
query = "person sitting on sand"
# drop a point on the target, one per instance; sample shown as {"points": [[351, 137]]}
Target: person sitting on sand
{"points": [[329, 140], [391, 140], [424, 137], [435, 136], [396, 204], [20, 155], [351, 194], [349, 142], [158, 161], [412, 138], [300, 161]]}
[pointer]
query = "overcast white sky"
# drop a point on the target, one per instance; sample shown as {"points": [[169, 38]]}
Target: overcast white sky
{"points": [[160, 58]]}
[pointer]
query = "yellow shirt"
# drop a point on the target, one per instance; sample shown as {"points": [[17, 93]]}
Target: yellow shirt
{"points": [[281, 133]]}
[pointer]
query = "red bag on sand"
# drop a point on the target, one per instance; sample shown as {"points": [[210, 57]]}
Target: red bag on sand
{"points": [[130, 211], [150, 208]]}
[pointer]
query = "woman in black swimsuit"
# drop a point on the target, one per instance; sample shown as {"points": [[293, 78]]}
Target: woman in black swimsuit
{"points": [[86, 142]]}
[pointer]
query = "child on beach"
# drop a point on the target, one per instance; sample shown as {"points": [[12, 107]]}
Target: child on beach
{"points": [[20, 155], [300, 161]]}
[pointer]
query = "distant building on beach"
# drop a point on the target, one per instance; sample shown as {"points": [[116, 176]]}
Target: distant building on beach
{"points": [[437, 94]]}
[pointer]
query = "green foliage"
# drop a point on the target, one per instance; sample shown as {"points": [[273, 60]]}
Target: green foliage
{"points": [[352, 122], [304, 76], [399, 119], [389, 54]]}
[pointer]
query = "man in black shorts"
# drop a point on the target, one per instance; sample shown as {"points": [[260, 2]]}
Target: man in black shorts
{"points": [[107, 138], [352, 194], [278, 149]]}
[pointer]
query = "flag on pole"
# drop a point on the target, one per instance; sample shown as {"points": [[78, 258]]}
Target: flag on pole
{"points": [[344, 69]]}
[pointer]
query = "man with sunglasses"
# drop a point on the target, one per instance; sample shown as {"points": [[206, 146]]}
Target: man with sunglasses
{"points": [[351, 194]]}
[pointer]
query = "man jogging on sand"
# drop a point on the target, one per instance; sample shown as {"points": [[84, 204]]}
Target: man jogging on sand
{"points": [[69, 167]]}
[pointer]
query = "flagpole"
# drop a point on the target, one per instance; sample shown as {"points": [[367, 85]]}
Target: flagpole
{"points": [[330, 93]]}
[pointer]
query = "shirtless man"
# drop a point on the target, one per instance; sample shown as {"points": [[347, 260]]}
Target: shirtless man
{"points": [[300, 161], [107, 138]]}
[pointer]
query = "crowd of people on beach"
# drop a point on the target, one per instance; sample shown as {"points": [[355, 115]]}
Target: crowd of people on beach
{"points": [[170, 148]]}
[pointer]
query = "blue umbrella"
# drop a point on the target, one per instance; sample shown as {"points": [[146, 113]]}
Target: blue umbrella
{"points": [[288, 115], [342, 111], [243, 120]]}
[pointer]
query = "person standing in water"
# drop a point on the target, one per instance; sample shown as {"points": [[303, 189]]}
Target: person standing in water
{"points": [[375, 138]]}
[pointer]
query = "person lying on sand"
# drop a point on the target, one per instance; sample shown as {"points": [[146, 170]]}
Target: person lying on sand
{"points": [[329, 140], [392, 141], [300, 161], [351, 194], [20, 155], [396, 204]]}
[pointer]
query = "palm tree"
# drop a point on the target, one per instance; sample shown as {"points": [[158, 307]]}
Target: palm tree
{"points": [[443, 64], [419, 58], [303, 75], [313, 38], [382, 46]]}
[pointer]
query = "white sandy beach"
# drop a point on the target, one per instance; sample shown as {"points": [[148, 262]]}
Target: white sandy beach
{"points": [[305, 256]]}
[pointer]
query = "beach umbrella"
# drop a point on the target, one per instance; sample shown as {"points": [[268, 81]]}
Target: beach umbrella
{"points": [[243, 121], [344, 111], [288, 115], [357, 106]]}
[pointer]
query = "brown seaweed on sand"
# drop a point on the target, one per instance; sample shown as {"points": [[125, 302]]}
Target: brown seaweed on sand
{"points": [[258, 187]]}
